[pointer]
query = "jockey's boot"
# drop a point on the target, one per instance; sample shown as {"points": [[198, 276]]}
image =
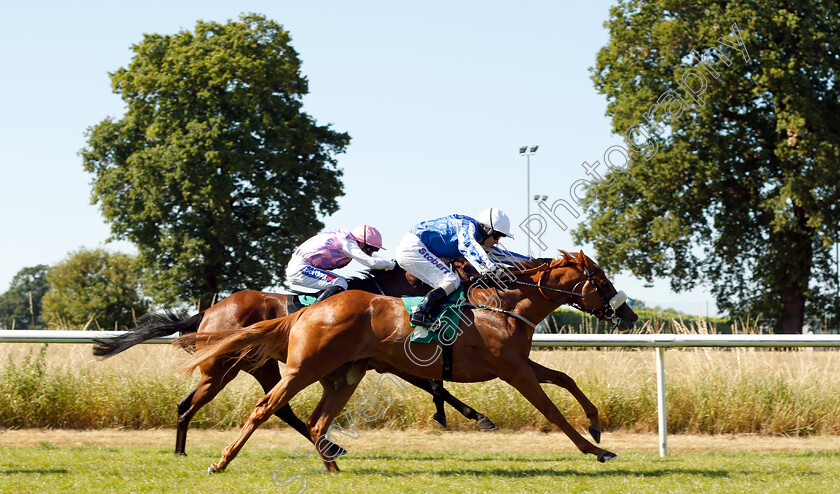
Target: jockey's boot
{"points": [[427, 311], [329, 292]]}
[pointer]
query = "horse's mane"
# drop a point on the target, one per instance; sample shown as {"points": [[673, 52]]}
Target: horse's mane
{"points": [[369, 274], [565, 259]]}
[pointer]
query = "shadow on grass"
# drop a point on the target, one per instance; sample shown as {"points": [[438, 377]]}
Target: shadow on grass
{"points": [[543, 472], [15, 471]]}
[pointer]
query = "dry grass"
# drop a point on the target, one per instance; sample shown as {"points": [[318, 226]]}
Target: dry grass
{"points": [[709, 392]]}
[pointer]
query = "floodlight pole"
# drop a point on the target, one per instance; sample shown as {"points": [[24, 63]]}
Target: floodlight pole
{"points": [[537, 200], [524, 150]]}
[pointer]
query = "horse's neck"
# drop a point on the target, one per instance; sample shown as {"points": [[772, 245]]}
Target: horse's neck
{"points": [[371, 285], [529, 303]]}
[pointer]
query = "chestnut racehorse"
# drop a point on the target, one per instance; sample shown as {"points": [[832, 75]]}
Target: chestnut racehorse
{"points": [[341, 334], [248, 307]]}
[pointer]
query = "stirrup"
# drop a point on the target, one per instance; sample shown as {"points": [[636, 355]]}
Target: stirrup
{"points": [[424, 319], [329, 292]]}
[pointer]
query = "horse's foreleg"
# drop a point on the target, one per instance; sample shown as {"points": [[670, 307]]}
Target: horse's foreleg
{"points": [[551, 376], [441, 395], [436, 389], [208, 387], [522, 377], [437, 399]]}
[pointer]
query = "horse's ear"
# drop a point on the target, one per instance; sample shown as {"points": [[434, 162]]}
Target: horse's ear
{"points": [[582, 258]]}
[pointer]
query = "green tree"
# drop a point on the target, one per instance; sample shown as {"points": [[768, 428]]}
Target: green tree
{"points": [[215, 172], [94, 287], [21, 303], [733, 179]]}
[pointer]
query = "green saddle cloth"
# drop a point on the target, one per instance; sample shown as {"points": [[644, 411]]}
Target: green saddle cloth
{"points": [[448, 320]]}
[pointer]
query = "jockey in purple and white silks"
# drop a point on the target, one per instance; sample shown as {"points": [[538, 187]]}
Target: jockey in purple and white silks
{"points": [[312, 263], [420, 250]]}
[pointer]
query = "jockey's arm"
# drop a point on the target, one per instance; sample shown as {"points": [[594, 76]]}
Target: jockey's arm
{"points": [[471, 249], [352, 249], [504, 256]]}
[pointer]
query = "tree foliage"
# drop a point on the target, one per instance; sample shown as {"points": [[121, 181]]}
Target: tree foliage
{"points": [[214, 172], [20, 305], [93, 287], [734, 178]]}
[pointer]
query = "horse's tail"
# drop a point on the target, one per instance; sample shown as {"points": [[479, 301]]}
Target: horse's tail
{"points": [[259, 342], [152, 326]]}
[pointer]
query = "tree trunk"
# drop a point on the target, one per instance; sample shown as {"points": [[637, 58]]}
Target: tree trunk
{"points": [[209, 290], [793, 315], [795, 266]]}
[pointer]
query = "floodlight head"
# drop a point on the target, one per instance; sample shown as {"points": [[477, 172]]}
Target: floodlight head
{"points": [[534, 148], [544, 198], [522, 149], [536, 197]]}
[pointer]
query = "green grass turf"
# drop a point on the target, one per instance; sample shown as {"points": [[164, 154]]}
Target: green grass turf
{"points": [[48, 468]]}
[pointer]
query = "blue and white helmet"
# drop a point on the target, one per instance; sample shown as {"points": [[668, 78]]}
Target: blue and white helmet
{"points": [[496, 220]]}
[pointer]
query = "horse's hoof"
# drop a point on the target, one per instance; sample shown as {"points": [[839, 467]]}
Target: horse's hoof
{"points": [[339, 452], [180, 453], [485, 424], [595, 433], [440, 419], [212, 469], [606, 456]]}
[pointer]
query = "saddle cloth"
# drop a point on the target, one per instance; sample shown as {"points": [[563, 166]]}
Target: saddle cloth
{"points": [[447, 321]]}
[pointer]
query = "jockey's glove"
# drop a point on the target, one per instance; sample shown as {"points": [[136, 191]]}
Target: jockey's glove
{"points": [[503, 275]]}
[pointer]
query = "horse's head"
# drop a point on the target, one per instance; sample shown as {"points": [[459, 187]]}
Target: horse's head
{"points": [[599, 296]]}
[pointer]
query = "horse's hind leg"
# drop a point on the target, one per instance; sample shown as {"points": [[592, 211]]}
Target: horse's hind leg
{"points": [[268, 375], [551, 376], [339, 386], [214, 377], [291, 384]]}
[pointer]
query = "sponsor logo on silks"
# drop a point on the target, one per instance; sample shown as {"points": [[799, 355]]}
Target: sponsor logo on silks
{"points": [[318, 274], [434, 260]]}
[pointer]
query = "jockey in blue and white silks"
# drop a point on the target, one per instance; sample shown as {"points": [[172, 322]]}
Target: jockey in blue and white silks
{"points": [[420, 250], [312, 263]]}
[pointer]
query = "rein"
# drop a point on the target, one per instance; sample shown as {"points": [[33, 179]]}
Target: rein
{"points": [[545, 268], [609, 312], [537, 285], [502, 311]]}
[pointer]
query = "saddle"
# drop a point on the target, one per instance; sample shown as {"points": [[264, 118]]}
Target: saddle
{"points": [[447, 321]]}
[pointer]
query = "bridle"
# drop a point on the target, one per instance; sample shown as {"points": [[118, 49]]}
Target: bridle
{"points": [[610, 306]]}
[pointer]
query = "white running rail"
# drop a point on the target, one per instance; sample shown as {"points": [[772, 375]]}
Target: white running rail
{"points": [[658, 341]]}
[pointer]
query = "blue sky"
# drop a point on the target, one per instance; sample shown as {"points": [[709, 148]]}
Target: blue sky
{"points": [[437, 97]]}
